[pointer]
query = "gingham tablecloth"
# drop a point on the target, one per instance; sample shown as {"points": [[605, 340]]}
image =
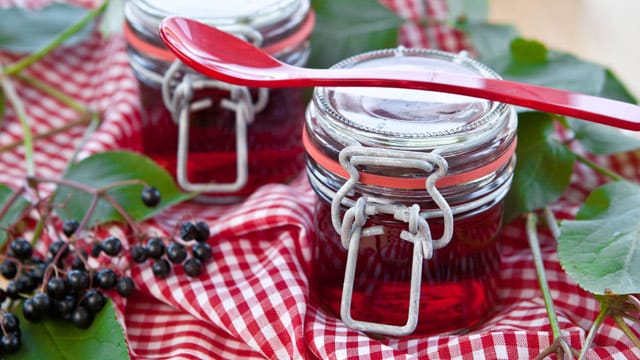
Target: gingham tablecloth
{"points": [[253, 301]]}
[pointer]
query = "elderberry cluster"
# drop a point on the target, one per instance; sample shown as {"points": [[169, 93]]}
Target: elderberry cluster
{"points": [[164, 255]]}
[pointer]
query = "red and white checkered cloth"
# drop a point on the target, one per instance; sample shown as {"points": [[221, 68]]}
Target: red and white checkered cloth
{"points": [[253, 301]]}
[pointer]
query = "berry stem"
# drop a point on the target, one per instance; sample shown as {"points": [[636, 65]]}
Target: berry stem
{"points": [[87, 215], [7, 205], [121, 183], [604, 312], [18, 106]]}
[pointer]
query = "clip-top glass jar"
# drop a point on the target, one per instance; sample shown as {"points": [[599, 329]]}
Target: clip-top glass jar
{"points": [[411, 187], [216, 138]]}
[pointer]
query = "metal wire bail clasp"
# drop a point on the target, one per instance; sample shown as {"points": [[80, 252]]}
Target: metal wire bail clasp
{"points": [[352, 226], [180, 101]]}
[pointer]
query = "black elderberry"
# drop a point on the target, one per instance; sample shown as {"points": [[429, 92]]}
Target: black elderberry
{"points": [[188, 231], [78, 280], [62, 308], [202, 231], [139, 254], [3, 296], [106, 278], [10, 323], [27, 282], [8, 269], [21, 249], [202, 251], [37, 273], [161, 268], [176, 253], [111, 246], [96, 249], [79, 261], [56, 247], [94, 300], [10, 343], [29, 311], [150, 196], [69, 227], [57, 288], [155, 247], [14, 289], [193, 267], [125, 286], [81, 317], [41, 303]]}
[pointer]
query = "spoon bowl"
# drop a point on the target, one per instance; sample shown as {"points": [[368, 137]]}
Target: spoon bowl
{"points": [[223, 56]]}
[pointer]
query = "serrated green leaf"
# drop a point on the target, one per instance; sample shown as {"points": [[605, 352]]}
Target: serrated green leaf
{"points": [[55, 339], [490, 40], [347, 28], [108, 168], [543, 169], [12, 215], [112, 19], [528, 51], [600, 249], [25, 31], [468, 11]]}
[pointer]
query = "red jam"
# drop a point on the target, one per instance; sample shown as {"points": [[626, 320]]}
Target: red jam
{"points": [[459, 283], [275, 152]]}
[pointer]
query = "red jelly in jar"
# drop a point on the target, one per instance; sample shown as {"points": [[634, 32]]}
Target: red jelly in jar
{"points": [[411, 187], [218, 139]]}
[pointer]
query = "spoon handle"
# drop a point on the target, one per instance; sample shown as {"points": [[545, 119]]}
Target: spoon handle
{"points": [[587, 107]]}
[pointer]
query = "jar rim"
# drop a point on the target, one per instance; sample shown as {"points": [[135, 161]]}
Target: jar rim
{"points": [[375, 129]]}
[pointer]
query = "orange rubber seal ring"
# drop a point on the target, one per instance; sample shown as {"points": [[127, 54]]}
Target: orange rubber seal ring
{"points": [[162, 53], [334, 167]]}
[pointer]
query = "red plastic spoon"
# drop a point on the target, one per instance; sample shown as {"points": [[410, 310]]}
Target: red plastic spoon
{"points": [[223, 56]]}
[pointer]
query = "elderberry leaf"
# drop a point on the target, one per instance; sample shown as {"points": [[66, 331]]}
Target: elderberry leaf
{"points": [[543, 168], [25, 30], [57, 339], [12, 214], [490, 40], [112, 19], [528, 51], [347, 28], [600, 249], [468, 11], [601, 139], [107, 168]]}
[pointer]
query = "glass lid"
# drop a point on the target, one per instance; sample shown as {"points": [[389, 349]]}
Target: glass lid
{"points": [[426, 117]]}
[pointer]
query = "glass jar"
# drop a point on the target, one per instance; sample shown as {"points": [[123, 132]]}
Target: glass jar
{"points": [[219, 139], [411, 187]]}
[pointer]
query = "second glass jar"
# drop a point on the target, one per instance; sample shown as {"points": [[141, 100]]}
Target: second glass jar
{"points": [[218, 139]]}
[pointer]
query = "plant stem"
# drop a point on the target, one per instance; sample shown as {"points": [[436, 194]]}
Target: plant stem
{"points": [[52, 91], [604, 311], [66, 34], [623, 326], [599, 169], [84, 119], [7, 205], [534, 244], [18, 106]]}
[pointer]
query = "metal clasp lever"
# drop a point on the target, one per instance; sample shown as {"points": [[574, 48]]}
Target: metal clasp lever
{"points": [[351, 227]]}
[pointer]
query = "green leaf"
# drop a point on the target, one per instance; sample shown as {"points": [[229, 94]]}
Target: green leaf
{"points": [[13, 213], [490, 40], [601, 139], [107, 168], [56, 339], [468, 11], [543, 168], [528, 51], [347, 28], [112, 19], [25, 31], [600, 249]]}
